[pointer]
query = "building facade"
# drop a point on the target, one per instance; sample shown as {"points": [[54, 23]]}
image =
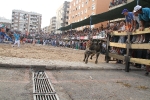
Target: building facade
{"points": [[45, 30], [53, 25], [62, 15], [26, 21], [82, 9]]}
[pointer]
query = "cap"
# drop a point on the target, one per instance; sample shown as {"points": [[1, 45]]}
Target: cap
{"points": [[124, 10], [136, 8]]}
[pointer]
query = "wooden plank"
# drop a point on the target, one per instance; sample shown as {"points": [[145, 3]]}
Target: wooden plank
{"points": [[146, 30], [120, 57], [120, 45], [140, 46], [140, 61], [119, 33]]}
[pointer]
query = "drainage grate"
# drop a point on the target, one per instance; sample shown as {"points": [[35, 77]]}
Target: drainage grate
{"points": [[42, 86], [46, 97], [39, 75]]}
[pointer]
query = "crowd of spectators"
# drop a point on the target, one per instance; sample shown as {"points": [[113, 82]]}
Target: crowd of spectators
{"points": [[116, 2], [138, 19]]}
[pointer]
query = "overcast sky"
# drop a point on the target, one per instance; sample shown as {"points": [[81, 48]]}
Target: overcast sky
{"points": [[45, 7]]}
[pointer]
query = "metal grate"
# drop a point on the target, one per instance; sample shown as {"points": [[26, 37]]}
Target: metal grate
{"points": [[46, 97], [42, 87], [39, 75]]}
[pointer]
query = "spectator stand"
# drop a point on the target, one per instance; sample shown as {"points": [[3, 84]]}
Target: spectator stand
{"points": [[128, 46]]}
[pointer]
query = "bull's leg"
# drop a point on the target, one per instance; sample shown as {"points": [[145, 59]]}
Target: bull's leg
{"points": [[92, 56], [97, 55], [84, 56], [87, 57]]}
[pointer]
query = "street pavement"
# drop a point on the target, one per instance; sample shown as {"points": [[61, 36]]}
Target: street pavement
{"points": [[100, 84], [15, 84]]}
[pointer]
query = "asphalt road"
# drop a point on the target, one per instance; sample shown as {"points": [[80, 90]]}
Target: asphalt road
{"points": [[100, 84], [15, 84]]}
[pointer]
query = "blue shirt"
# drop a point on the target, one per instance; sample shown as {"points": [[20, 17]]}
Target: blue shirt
{"points": [[145, 15], [129, 17], [17, 36]]}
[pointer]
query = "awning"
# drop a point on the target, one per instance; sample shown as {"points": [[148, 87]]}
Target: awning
{"points": [[109, 15]]}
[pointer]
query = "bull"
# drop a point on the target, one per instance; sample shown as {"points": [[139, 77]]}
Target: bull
{"points": [[93, 49]]}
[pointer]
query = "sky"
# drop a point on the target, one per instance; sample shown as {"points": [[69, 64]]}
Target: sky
{"points": [[45, 7]]}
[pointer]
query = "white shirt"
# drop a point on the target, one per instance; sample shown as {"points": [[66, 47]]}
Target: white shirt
{"points": [[136, 18]]}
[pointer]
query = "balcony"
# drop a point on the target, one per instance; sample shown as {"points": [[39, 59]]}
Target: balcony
{"points": [[118, 3]]}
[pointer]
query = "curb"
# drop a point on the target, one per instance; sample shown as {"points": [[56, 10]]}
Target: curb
{"points": [[62, 67]]}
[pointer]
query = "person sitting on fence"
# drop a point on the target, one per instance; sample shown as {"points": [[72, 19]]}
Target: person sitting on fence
{"points": [[129, 19]]}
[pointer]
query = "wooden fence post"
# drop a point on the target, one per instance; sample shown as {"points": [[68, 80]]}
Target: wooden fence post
{"points": [[107, 50], [127, 58]]}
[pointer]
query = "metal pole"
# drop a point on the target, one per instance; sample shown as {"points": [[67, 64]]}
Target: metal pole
{"points": [[90, 27], [137, 2], [71, 28]]}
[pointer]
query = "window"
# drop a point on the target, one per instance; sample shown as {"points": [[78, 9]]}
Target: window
{"points": [[78, 13], [93, 6], [93, 13], [86, 2], [79, 6], [85, 11], [81, 12], [76, 1], [82, 4]]}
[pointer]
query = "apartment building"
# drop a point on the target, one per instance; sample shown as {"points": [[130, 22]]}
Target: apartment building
{"points": [[45, 30], [49, 29], [62, 15], [26, 21], [82, 9], [53, 25]]}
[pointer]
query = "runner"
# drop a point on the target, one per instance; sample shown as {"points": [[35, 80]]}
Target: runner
{"points": [[17, 39]]}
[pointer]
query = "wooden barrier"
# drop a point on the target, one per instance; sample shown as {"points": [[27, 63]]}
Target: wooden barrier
{"points": [[120, 57], [140, 61], [120, 45], [128, 46]]}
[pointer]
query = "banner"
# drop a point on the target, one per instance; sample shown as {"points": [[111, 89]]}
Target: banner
{"points": [[82, 37]]}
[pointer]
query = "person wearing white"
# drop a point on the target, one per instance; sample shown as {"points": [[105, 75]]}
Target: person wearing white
{"points": [[17, 39]]}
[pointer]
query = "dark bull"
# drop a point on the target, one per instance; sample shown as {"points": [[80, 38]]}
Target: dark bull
{"points": [[94, 48]]}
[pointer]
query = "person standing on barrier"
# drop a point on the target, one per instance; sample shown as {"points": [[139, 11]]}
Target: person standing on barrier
{"points": [[144, 18], [129, 19]]}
